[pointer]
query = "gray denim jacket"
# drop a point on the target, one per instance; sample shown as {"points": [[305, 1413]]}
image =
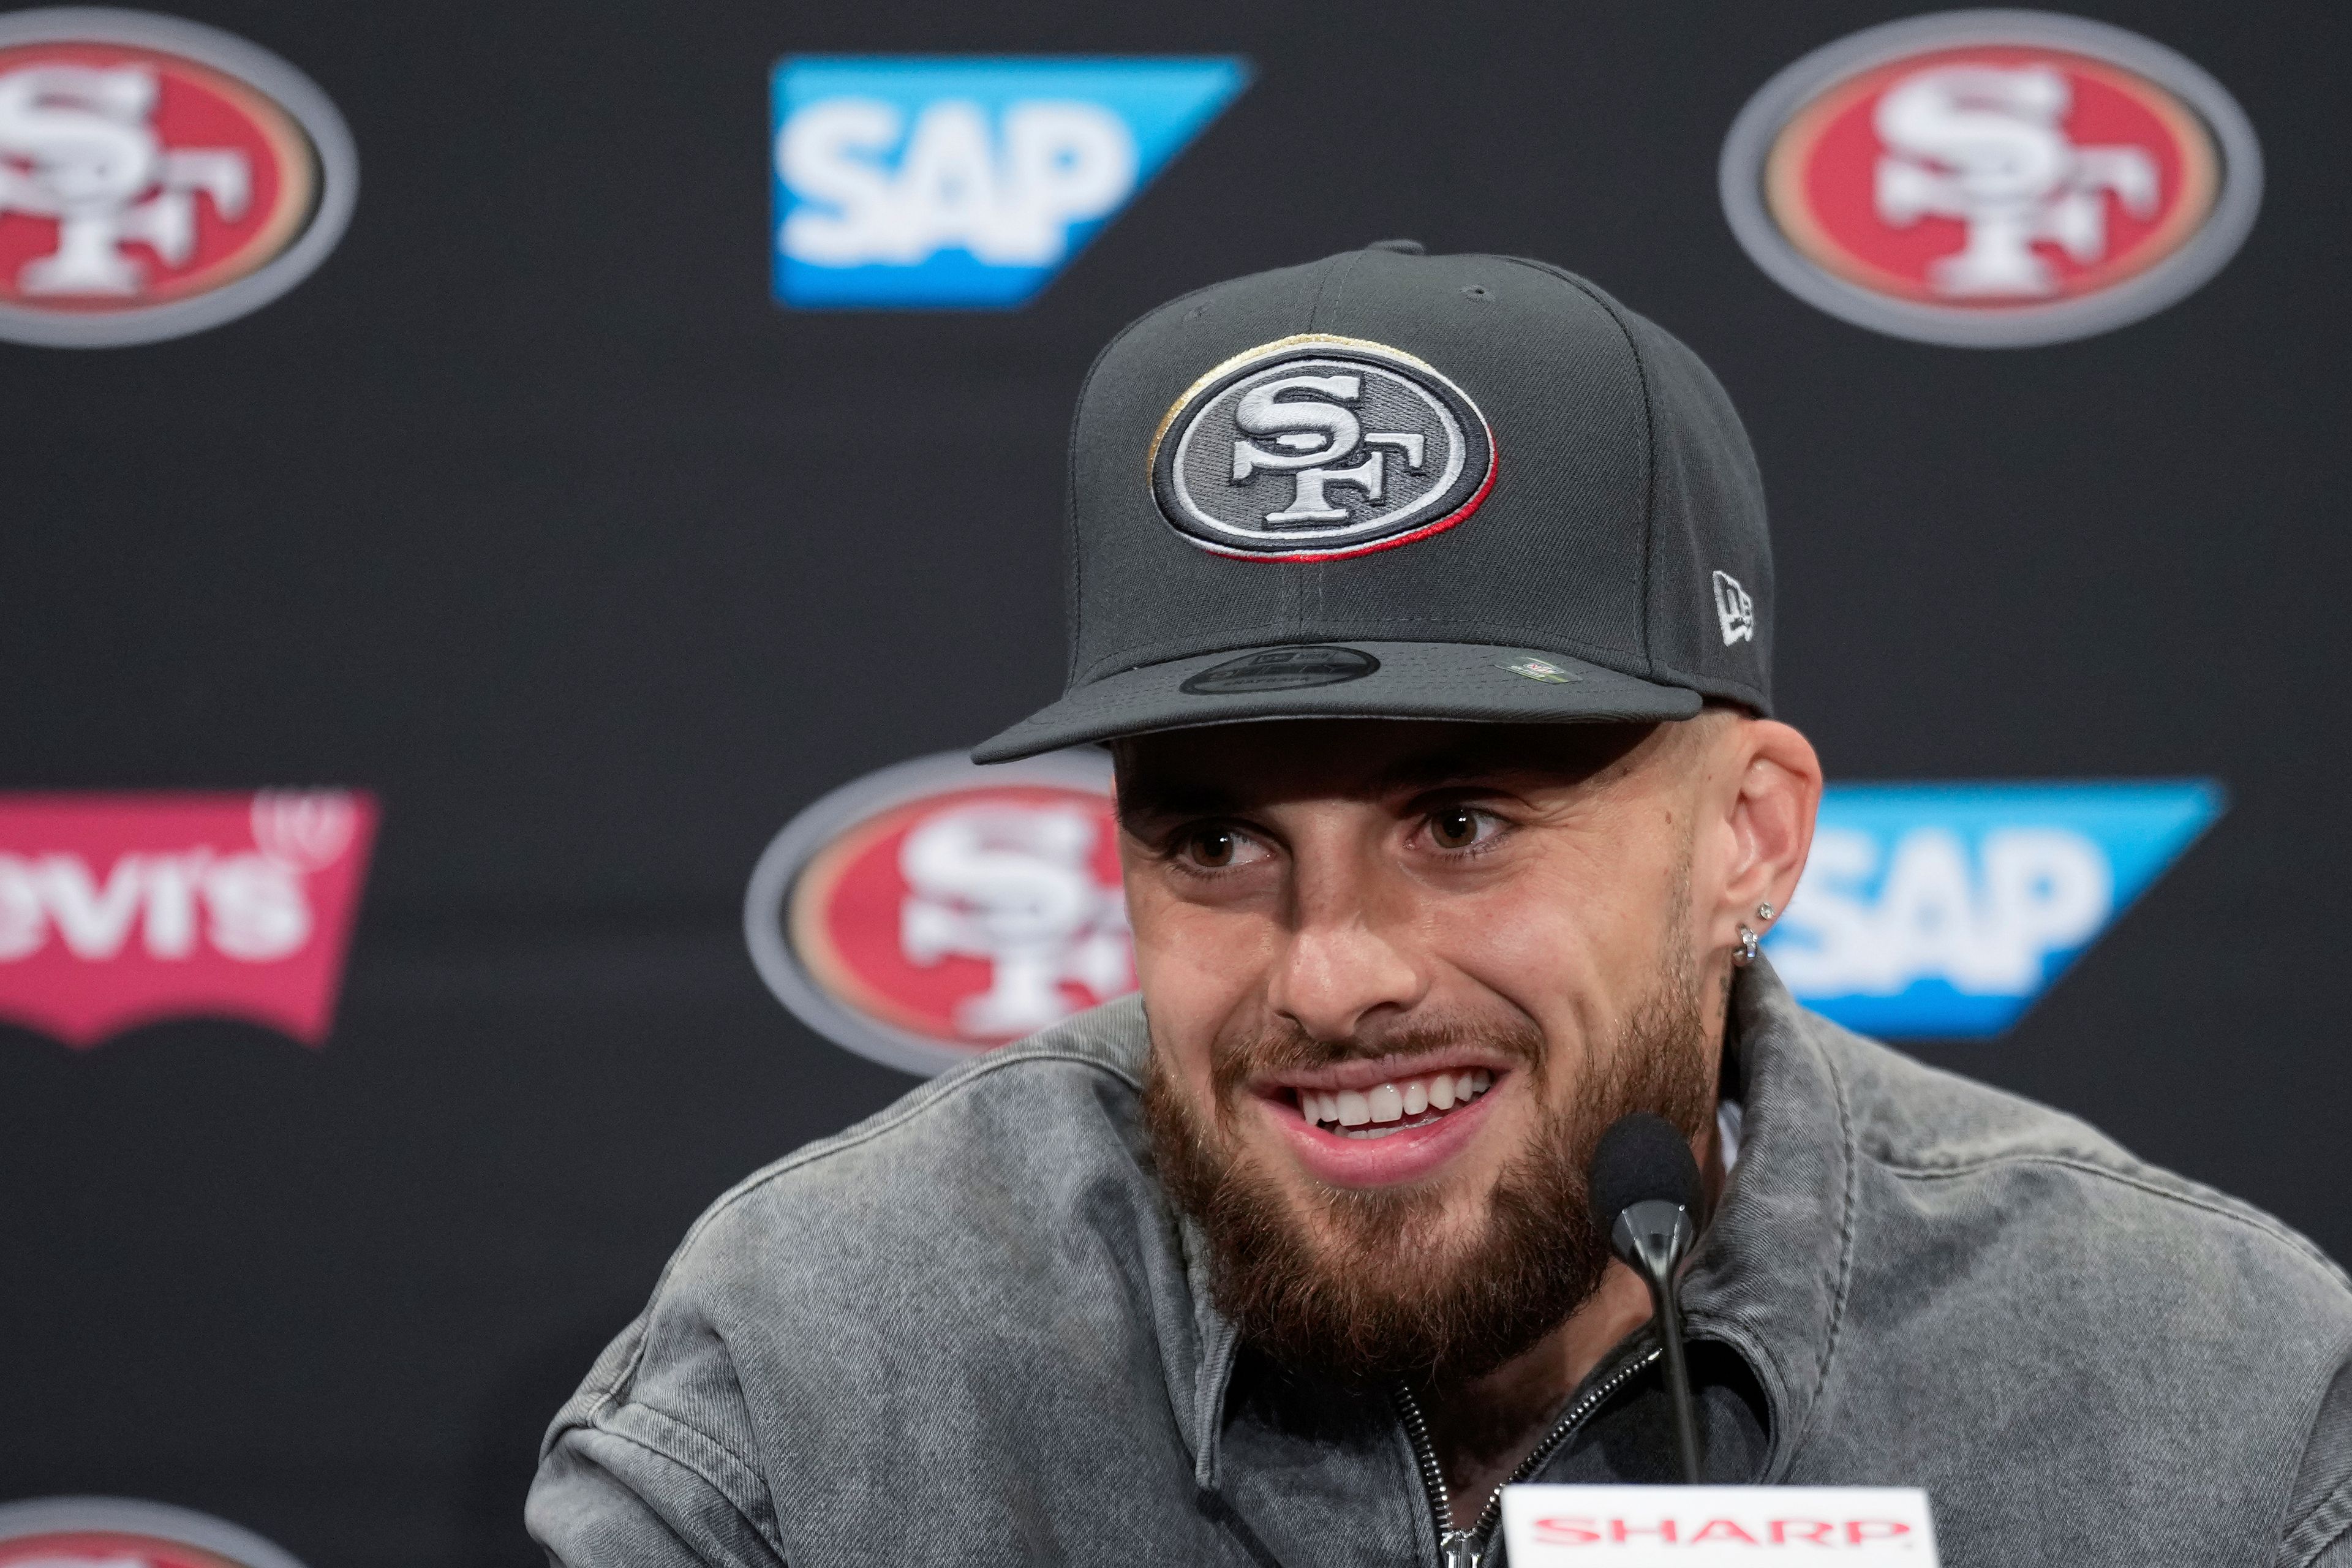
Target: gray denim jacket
{"points": [[969, 1331]]}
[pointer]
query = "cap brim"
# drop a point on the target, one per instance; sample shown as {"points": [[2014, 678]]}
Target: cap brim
{"points": [[1471, 682]]}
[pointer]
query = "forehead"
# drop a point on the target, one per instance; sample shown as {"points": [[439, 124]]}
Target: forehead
{"points": [[1226, 765]]}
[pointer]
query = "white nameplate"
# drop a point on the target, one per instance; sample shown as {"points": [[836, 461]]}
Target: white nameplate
{"points": [[1701, 1527]]}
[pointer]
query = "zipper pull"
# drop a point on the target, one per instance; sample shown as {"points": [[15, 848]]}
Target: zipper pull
{"points": [[1459, 1549]]}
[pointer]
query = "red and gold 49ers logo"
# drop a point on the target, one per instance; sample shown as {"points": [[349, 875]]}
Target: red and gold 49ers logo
{"points": [[156, 177], [126, 1532], [1991, 178], [936, 909]]}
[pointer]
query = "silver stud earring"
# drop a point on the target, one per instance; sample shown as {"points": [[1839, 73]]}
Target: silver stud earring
{"points": [[1745, 955], [1764, 913]]}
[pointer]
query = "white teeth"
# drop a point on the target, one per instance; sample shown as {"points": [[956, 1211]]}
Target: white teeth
{"points": [[1388, 1103]]}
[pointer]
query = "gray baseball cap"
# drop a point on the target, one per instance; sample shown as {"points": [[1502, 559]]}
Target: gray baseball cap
{"points": [[1393, 485]]}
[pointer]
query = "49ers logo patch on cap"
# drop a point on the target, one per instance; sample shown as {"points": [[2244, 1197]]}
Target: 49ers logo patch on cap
{"points": [[157, 177], [935, 910], [124, 1532], [1317, 448], [1991, 178]]}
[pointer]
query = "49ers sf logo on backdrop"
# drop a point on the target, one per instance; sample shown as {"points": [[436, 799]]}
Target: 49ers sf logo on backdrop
{"points": [[123, 910], [156, 177], [125, 1532], [936, 909], [1991, 178]]}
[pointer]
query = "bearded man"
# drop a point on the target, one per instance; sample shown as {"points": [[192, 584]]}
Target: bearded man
{"points": [[1425, 603]]}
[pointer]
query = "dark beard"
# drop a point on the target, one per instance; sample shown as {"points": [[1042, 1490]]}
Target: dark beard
{"points": [[1373, 1286]]}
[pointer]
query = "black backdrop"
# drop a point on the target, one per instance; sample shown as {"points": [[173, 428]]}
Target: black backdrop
{"points": [[533, 513]]}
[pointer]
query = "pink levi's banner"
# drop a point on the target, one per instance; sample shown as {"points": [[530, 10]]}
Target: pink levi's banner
{"points": [[119, 910], [1709, 1527]]}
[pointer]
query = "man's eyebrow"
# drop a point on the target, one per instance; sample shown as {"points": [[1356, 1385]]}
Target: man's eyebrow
{"points": [[1455, 765], [1140, 798]]}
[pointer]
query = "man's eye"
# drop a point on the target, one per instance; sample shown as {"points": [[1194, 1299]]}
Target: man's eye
{"points": [[1456, 826], [1214, 848]]}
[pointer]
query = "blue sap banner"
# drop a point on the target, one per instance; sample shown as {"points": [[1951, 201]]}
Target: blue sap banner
{"points": [[1941, 911], [966, 183]]}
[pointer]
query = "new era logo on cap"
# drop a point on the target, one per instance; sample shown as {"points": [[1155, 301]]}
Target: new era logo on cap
{"points": [[1735, 613]]}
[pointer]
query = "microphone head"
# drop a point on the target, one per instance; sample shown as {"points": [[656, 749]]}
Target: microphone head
{"points": [[1641, 1159]]}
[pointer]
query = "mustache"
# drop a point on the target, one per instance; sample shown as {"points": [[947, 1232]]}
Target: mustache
{"points": [[1283, 1046]]}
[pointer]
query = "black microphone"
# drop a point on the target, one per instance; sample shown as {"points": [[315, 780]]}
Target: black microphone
{"points": [[1646, 1194]]}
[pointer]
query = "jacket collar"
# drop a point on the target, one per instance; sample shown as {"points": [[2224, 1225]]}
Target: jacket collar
{"points": [[1769, 1277]]}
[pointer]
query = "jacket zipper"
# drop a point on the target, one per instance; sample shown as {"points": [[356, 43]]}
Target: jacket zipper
{"points": [[1468, 1548]]}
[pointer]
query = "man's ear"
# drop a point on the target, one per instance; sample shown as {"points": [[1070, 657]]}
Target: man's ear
{"points": [[1776, 792]]}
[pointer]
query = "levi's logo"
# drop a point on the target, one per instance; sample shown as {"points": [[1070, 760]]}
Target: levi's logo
{"points": [[1868, 1527], [123, 910]]}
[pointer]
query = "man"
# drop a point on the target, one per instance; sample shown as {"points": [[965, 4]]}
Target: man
{"points": [[1427, 604]]}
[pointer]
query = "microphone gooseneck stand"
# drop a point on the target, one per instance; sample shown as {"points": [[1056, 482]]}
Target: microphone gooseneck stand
{"points": [[1654, 1237], [1646, 1194]]}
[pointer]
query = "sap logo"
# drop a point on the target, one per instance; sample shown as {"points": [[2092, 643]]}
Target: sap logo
{"points": [[1943, 910], [966, 184]]}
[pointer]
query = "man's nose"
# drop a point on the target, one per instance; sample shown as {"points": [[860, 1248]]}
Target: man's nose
{"points": [[1341, 963]]}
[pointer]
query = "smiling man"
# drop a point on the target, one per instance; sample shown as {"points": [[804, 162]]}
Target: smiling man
{"points": [[1425, 603]]}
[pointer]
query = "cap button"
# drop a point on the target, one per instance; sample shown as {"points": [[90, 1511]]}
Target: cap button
{"points": [[1401, 247]]}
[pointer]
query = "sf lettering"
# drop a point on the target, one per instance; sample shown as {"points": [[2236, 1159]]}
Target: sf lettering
{"points": [[1317, 434], [1989, 147], [80, 146]]}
